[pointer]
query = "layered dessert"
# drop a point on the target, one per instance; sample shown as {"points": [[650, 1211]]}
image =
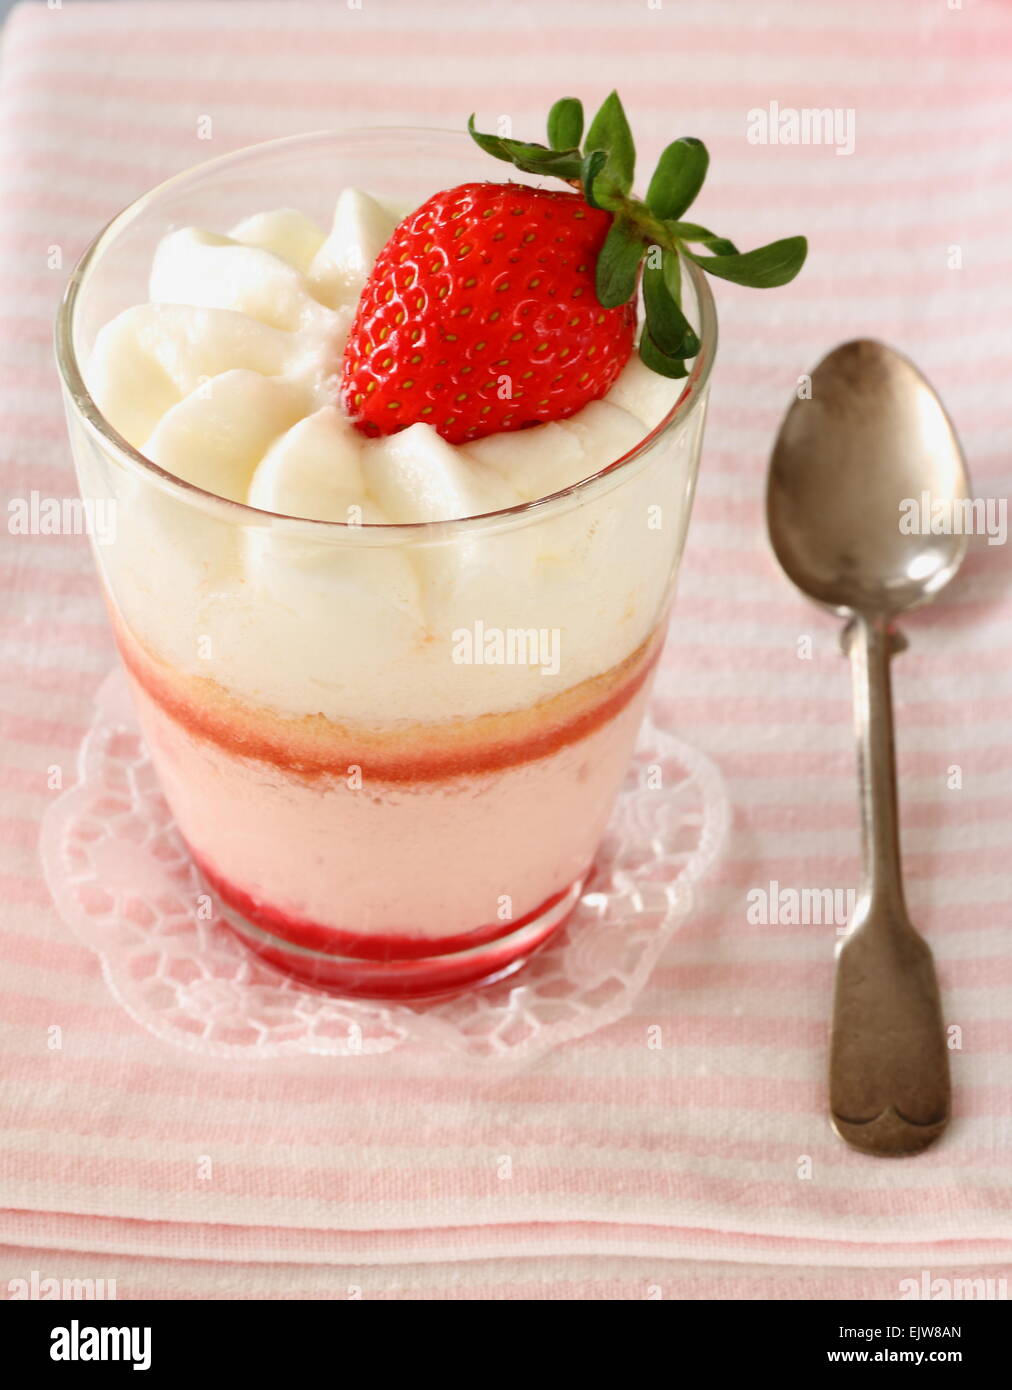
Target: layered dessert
{"points": [[391, 597]]}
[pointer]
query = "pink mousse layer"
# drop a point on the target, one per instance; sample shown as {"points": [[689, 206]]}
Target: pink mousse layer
{"points": [[400, 866]]}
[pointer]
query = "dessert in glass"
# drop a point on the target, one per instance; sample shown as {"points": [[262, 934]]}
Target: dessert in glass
{"points": [[390, 681]]}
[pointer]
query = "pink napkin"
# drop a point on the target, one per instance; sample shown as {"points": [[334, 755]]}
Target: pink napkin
{"points": [[703, 1167]]}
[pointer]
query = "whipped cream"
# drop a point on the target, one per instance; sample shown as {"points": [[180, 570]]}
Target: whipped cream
{"points": [[228, 379]]}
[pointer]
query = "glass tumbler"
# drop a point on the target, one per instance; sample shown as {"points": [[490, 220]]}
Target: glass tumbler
{"points": [[392, 750]]}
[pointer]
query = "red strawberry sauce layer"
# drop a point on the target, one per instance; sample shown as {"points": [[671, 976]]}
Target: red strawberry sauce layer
{"points": [[312, 936], [419, 978], [312, 748]]}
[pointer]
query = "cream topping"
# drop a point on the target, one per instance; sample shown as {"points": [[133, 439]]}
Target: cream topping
{"points": [[228, 378]]}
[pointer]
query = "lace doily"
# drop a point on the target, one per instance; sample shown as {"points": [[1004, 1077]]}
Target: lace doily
{"points": [[124, 883]]}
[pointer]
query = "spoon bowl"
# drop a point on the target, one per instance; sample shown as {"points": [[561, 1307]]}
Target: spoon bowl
{"points": [[848, 465]]}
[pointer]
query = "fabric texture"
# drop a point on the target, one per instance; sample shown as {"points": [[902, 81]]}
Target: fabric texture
{"points": [[704, 1166]]}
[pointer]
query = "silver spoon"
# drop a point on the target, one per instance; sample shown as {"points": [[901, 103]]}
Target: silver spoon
{"points": [[872, 435]]}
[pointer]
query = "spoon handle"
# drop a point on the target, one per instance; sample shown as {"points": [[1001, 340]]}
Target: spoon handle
{"points": [[889, 1070]]}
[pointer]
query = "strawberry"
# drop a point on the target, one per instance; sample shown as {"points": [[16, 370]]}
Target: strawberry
{"points": [[497, 306], [481, 315]]}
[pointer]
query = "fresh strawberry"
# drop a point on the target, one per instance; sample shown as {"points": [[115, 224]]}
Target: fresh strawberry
{"points": [[496, 306], [481, 315]]}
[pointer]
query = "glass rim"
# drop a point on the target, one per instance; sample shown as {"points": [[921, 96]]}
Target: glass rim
{"points": [[102, 429]]}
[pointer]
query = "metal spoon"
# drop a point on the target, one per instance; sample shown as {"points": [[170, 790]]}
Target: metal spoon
{"points": [[873, 434]]}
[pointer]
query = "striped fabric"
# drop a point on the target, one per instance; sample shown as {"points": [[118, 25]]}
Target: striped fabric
{"points": [[703, 1167]]}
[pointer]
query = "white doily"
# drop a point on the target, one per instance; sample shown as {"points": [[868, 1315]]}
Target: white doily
{"points": [[122, 880]]}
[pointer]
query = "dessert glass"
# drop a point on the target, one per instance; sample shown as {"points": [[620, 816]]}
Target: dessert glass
{"points": [[386, 806]]}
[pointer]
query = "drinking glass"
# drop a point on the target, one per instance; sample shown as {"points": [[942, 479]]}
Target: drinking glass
{"points": [[392, 750]]}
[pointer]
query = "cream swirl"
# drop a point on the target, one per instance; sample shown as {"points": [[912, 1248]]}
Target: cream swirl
{"points": [[227, 379]]}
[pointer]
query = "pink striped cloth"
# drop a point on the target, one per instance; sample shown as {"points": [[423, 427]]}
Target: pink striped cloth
{"points": [[704, 1167]]}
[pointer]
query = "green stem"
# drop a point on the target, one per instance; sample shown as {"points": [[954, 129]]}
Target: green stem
{"points": [[652, 231]]}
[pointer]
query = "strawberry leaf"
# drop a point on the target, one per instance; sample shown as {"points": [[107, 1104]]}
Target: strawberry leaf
{"points": [[609, 131], [532, 158], [720, 246], [618, 264], [763, 268], [667, 325], [678, 177], [652, 357], [565, 124], [692, 231], [671, 267], [689, 231], [591, 167]]}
